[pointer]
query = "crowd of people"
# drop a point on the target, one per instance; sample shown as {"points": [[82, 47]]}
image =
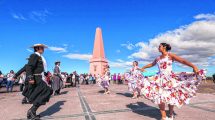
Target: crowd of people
{"points": [[68, 79]]}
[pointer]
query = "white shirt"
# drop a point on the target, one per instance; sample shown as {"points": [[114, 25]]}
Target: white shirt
{"points": [[44, 65], [73, 76], [44, 61], [10, 76], [1, 77]]}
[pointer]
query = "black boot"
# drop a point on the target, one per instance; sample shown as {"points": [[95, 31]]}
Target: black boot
{"points": [[24, 101], [31, 115], [58, 92], [55, 93]]}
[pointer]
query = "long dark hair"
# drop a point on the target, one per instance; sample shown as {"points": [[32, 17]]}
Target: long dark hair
{"points": [[168, 47], [136, 62], [12, 71], [108, 66]]}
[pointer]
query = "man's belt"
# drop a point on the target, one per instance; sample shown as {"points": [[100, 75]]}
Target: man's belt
{"points": [[37, 74]]}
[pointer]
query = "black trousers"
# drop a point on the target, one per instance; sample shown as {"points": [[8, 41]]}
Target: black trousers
{"points": [[57, 91], [86, 81], [21, 87], [214, 78]]}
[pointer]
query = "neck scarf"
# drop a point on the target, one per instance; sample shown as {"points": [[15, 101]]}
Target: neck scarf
{"points": [[44, 61]]}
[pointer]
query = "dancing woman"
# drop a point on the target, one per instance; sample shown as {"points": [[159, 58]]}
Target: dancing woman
{"points": [[104, 80], [134, 78], [167, 87]]}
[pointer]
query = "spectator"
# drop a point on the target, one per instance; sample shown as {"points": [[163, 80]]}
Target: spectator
{"points": [[86, 79], [48, 77], [64, 78], [90, 79], [10, 81], [114, 78], [1, 78], [123, 78], [22, 81], [94, 79], [214, 77], [69, 81], [73, 79], [76, 78], [81, 79], [119, 78]]}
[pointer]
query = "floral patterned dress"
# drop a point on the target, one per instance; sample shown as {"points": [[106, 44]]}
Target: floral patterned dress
{"points": [[170, 88], [104, 80], [135, 80]]}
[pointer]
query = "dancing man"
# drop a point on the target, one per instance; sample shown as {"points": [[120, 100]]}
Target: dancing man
{"points": [[37, 91], [57, 82]]}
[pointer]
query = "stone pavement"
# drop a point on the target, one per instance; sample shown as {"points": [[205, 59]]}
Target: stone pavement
{"points": [[88, 102]]}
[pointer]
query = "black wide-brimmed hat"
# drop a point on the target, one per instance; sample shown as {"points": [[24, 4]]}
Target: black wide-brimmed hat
{"points": [[57, 62], [39, 45]]}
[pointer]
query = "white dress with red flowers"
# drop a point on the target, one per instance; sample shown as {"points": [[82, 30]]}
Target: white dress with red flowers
{"points": [[135, 80], [103, 81], [171, 88]]}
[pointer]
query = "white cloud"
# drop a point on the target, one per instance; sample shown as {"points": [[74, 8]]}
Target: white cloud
{"points": [[65, 45], [29, 50], [194, 42], [120, 64], [57, 49], [212, 61], [205, 16], [18, 16], [118, 51], [119, 60], [128, 45], [39, 16], [78, 56]]}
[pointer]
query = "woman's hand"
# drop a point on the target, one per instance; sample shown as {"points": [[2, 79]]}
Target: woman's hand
{"points": [[142, 70], [195, 70], [139, 68]]}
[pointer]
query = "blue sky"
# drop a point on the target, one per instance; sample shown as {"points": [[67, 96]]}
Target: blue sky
{"points": [[68, 28]]}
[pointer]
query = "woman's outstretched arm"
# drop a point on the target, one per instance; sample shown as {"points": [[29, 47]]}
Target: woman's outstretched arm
{"points": [[185, 62], [148, 66]]}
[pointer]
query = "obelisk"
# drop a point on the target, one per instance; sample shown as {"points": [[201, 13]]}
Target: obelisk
{"points": [[98, 60]]}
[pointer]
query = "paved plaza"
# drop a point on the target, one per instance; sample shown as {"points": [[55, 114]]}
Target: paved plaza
{"points": [[87, 102]]}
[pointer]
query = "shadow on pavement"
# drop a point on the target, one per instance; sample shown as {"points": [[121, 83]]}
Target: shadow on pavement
{"points": [[53, 109], [101, 91], [125, 94], [150, 111], [64, 92]]}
